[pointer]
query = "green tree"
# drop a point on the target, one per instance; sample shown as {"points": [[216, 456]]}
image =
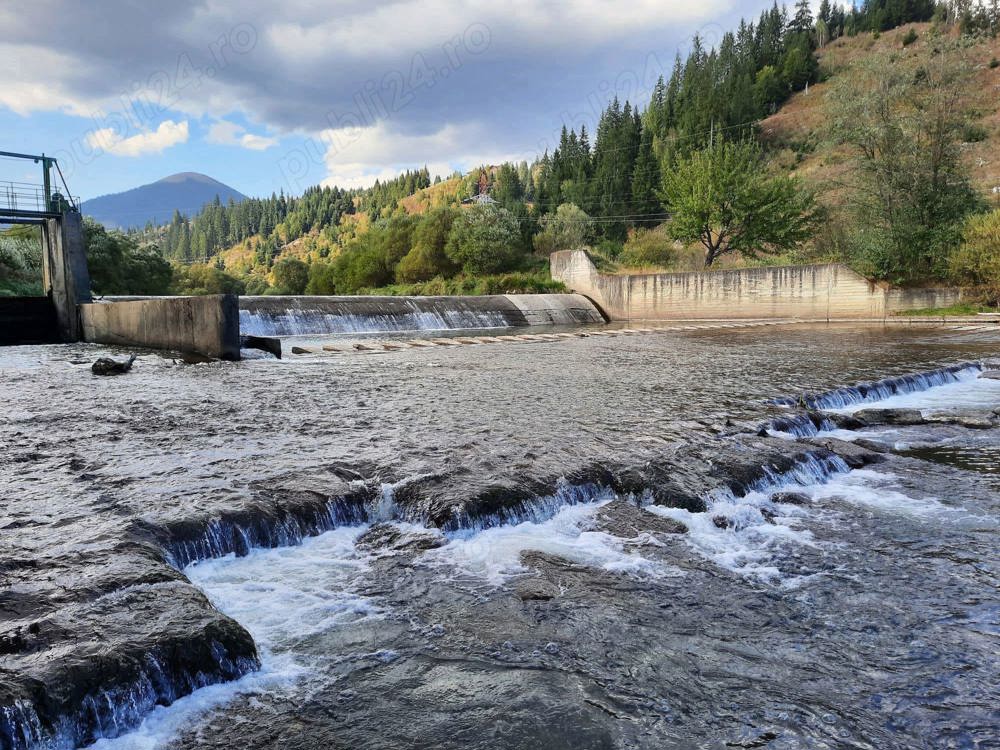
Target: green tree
{"points": [[569, 228], [289, 276], [204, 278], [769, 90], [322, 279], [977, 260], [485, 239], [721, 198], [118, 265], [427, 258], [903, 117]]}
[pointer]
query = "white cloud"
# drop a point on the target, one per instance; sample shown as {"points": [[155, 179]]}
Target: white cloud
{"points": [[224, 132], [419, 24], [229, 133], [356, 157], [257, 142], [169, 133]]}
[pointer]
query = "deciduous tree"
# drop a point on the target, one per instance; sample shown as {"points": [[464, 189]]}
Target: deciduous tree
{"points": [[722, 198]]}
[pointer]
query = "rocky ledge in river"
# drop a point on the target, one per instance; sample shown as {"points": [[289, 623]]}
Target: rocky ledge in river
{"points": [[99, 632]]}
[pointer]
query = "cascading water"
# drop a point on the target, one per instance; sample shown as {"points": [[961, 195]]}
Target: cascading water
{"points": [[312, 316], [880, 390]]}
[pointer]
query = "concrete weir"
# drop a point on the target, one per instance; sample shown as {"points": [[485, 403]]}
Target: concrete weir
{"points": [[212, 326], [296, 316]]}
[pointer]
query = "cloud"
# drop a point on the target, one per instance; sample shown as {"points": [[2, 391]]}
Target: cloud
{"points": [[357, 157], [511, 71], [229, 133], [224, 132], [257, 142], [169, 133]]}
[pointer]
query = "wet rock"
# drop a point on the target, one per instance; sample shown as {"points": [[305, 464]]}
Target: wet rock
{"points": [[990, 374], [301, 350], [535, 589], [790, 498], [107, 366], [390, 538], [171, 642], [844, 421], [769, 515], [873, 445], [974, 420], [854, 454], [627, 521], [890, 416], [721, 522]]}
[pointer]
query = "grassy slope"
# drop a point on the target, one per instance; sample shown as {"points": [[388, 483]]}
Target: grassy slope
{"points": [[797, 130]]}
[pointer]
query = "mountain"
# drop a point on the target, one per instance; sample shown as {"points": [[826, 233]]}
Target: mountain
{"points": [[186, 192]]}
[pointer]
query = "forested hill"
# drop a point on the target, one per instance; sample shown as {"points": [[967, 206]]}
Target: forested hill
{"points": [[761, 106]]}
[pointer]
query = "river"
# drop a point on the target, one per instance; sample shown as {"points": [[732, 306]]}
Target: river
{"points": [[574, 543]]}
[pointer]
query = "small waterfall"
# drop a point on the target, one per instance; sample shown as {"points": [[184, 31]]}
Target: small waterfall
{"points": [[882, 389], [222, 536], [297, 316], [121, 708], [534, 509], [813, 467], [20, 727], [798, 425], [112, 712]]}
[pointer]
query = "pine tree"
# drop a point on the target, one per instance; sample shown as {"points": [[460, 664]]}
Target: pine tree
{"points": [[645, 182], [802, 23]]}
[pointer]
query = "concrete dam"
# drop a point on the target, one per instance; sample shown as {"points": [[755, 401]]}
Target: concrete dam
{"points": [[298, 316], [212, 326]]}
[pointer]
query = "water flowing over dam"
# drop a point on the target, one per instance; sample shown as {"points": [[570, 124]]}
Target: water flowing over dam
{"points": [[778, 537], [297, 316]]}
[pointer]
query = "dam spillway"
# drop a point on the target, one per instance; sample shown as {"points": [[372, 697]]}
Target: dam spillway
{"points": [[303, 315]]}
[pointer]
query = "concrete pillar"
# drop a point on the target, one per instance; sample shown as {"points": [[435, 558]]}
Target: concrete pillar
{"points": [[65, 276]]}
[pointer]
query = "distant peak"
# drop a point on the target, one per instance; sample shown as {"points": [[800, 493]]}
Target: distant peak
{"points": [[190, 177]]}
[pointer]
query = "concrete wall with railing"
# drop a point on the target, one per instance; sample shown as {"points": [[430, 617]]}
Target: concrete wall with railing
{"points": [[815, 292]]}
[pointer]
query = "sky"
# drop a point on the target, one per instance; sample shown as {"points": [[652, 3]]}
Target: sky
{"points": [[267, 96]]}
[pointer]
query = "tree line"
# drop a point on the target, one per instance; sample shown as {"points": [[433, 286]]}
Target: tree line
{"points": [[608, 192]]}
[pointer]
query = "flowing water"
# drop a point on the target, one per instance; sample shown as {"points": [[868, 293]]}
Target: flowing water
{"points": [[538, 545]]}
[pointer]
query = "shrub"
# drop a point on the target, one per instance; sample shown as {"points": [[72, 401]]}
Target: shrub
{"points": [[910, 38], [994, 63], [202, 278], [289, 276], [648, 247], [321, 279], [569, 228], [977, 260], [974, 133]]}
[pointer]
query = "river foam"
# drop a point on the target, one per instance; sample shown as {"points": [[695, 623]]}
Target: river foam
{"points": [[282, 597]]}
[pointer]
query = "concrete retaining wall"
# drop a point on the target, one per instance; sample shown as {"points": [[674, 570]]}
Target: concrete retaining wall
{"points": [[820, 292], [208, 326]]}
